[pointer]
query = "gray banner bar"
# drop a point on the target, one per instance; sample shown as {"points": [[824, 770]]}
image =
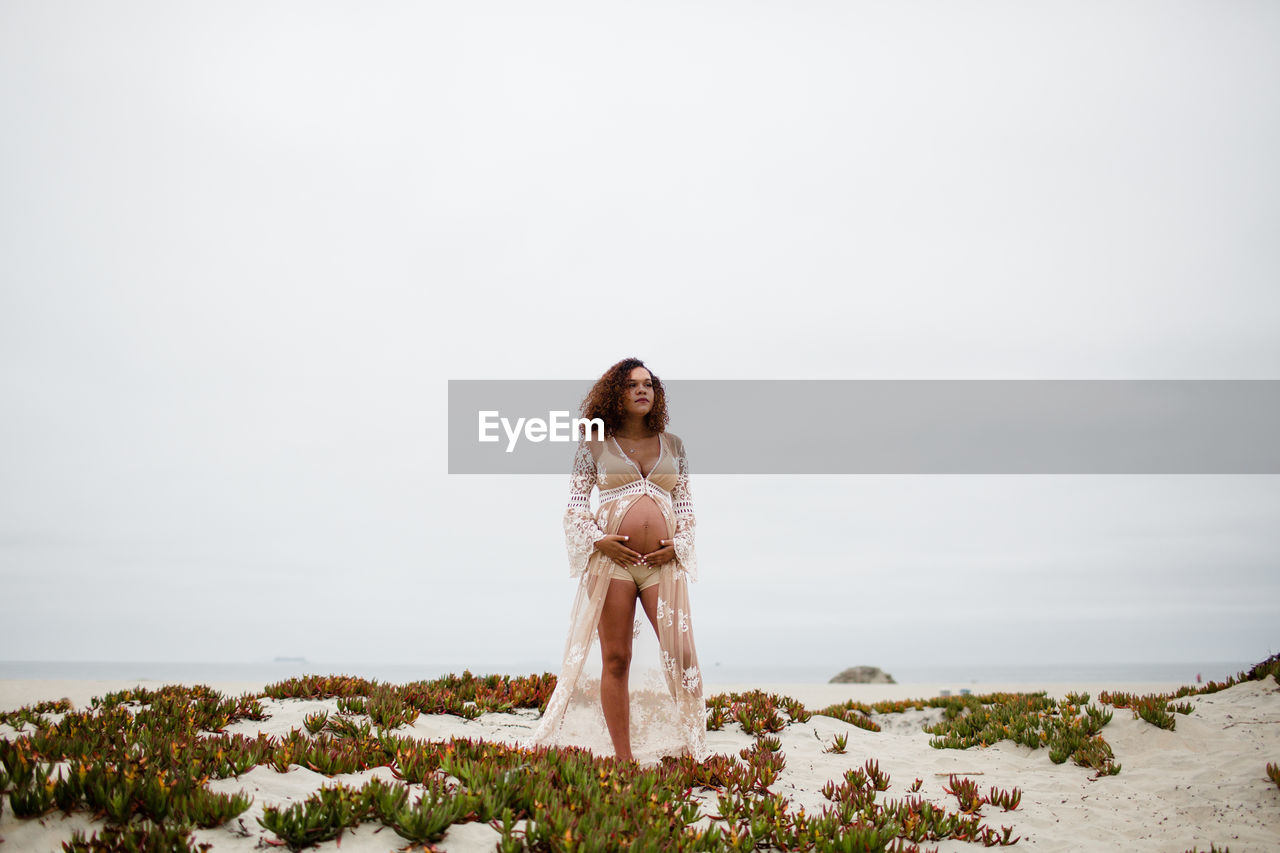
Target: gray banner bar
{"points": [[824, 426]]}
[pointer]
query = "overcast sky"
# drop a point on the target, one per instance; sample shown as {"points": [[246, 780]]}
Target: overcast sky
{"points": [[244, 246]]}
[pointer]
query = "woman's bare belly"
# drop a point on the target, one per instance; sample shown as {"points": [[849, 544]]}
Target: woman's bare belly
{"points": [[645, 524]]}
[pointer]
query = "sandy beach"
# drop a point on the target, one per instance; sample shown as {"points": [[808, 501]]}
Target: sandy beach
{"points": [[1204, 783]]}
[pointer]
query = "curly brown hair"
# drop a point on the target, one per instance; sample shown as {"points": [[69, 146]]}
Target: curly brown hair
{"points": [[606, 396]]}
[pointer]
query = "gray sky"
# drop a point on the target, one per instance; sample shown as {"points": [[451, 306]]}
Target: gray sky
{"points": [[243, 247]]}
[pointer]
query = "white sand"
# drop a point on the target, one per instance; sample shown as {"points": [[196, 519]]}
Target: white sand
{"points": [[1203, 783]]}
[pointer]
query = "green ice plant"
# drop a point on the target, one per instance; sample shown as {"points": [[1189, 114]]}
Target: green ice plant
{"points": [[838, 743], [855, 713], [427, 819], [568, 798], [1155, 710], [322, 816], [34, 795], [345, 727], [414, 764], [966, 793], [145, 837], [386, 798], [765, 761], [1095, 718], [315, 722], [878, 780], [496, 787], [795, 709], [352, 705], [1033, 720], [1007, 800], [769, 743], [509, 840], [155, 794], [206, 809]]}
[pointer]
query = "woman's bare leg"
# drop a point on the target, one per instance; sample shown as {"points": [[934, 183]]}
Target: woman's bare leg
{"points": [[649, 601], [617, 621]]}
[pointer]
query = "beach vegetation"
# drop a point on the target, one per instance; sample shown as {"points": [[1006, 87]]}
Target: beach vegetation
{"points": [[965, 790], [1273, 773], [34, 714], [1033, 720], [1269, 668], [144, 836], [765, 760], [315, 722], [1007, 800], [139, 760], [207, 809], [1155, 708], [838, 743], [34, 795], [320, 817], [854, 713], [345, 727], [877, 779], [755, 711], [352, 704], [795, 709]]}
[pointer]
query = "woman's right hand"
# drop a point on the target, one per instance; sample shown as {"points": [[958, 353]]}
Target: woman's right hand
{"points": [[611, 546]]}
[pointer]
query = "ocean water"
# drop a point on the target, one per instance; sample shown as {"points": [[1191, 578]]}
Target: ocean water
{"points": [[725, 673]]}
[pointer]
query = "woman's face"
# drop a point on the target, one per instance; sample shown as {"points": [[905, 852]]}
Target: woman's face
{"points": [[638, 392]]}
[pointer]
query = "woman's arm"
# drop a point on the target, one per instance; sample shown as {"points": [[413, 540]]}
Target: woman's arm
{"points": [[682, 504], [581, 530]]}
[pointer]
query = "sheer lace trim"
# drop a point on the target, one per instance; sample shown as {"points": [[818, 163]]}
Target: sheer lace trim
{"points": [[581, 530], [667, 710], [682, 503], [636, 487]]}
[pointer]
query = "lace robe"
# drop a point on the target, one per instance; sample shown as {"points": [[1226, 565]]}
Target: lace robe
{"points": [[668, 715]]}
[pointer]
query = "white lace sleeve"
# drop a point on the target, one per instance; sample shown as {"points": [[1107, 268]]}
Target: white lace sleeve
{"points": [[581, 531], [682, 503]]}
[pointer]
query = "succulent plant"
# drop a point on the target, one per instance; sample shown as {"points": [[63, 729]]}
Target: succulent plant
{"points": [[143, 836], [115, 752], [315, 721], [838, 743]]}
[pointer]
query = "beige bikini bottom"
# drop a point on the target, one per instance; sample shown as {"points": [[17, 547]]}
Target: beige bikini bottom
{"points": [[644, 576]]}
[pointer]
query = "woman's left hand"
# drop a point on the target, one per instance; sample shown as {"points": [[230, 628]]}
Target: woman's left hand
{"points": [[663, 555]]}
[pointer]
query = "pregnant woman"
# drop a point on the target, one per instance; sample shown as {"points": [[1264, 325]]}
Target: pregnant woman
{"points": [[637, 545]]}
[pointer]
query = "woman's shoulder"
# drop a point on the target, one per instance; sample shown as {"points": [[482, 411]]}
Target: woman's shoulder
{"points": [[677, 444]]}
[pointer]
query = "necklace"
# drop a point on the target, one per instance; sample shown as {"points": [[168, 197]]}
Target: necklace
{"points": [[632, 449]]}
